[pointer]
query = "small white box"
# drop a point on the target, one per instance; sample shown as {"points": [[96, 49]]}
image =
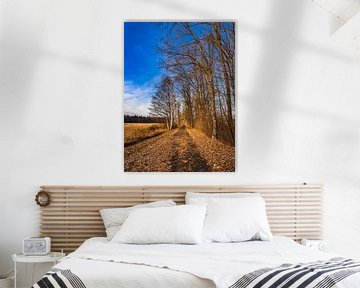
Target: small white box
{"points": [[36, 246], [320, 245]]}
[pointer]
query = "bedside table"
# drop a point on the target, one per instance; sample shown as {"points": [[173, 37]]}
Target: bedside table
{"points": [[53, 257], [320, 245]]}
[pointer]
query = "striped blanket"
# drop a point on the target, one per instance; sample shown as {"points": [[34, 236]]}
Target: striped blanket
{"points": [[59, 278], [320, 274]]}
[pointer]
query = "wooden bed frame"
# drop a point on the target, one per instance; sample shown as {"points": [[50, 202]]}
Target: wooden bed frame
{"points": [[73, 215]]}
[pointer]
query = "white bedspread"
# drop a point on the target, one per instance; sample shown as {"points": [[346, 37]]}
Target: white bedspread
{"points": [[102, 264]]}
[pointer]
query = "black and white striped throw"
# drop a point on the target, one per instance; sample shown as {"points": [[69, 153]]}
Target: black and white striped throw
{"points": [[59, 278], [320, 274]]}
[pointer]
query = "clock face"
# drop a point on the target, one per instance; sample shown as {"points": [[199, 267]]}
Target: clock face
{"points": [[40, 245], [323, 247]]}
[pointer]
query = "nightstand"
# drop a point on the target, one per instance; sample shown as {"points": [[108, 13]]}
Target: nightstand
{"points": [[320, 245], [53, 257]]}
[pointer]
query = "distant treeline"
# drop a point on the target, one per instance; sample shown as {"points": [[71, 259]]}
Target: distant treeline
{"points": [[142, 119]]}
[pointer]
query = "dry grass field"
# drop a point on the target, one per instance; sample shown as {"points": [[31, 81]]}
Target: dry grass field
{"points": [[136, 132]]}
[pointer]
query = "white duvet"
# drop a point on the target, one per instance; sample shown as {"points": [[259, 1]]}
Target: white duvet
{"points": [[100, 263]]}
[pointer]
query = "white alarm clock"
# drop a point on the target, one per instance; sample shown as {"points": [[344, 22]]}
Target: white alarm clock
{"points": [[36, 246], [320, 245]]}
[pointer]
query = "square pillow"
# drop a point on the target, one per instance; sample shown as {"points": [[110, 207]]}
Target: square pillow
{"points": [[113, 218], [236, 220], [172, 225]]}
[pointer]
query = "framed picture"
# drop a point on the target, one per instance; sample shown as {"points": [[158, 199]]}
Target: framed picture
{"points": [[179, 97]]}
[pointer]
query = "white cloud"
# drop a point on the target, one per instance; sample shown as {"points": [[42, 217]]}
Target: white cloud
{"points": [[137, 98]]}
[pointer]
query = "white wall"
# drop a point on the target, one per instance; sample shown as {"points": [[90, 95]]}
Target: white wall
{"points": [[61, 104]]}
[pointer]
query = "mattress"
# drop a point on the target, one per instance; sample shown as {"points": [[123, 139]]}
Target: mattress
{"points": [[102, 273], [99, 263]]}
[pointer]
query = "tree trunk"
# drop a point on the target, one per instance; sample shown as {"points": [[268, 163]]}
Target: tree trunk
{"points": [[227, 81]]}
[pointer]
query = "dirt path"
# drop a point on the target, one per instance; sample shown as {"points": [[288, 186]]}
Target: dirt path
{"points": [[179, 150], [186, 157]]}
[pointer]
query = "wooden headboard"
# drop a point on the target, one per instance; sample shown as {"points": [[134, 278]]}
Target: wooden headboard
{"points": [[73, 215]]}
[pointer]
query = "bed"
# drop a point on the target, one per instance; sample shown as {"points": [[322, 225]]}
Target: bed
{"points": [[293, 210], [99, 263]]}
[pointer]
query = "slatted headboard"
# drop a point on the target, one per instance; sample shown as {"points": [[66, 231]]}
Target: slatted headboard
{"points": [[73, 215]]}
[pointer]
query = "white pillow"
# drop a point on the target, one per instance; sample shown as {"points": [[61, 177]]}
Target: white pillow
{"points": [[180, 224], [204, 198], [113, 218], [236, 220]]}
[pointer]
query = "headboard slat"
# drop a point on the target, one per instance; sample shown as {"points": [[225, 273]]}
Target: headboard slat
{"points": [[73, 216]]}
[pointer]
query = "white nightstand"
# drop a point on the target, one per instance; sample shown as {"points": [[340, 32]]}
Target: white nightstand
{"points": [[320, 245], [53, 257]]}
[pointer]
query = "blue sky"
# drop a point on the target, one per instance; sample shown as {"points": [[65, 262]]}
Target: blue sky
{"points": [[141, 64]]}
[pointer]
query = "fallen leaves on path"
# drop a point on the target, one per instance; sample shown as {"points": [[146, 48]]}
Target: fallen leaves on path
{"points": [[180, 150], [220, 157]]}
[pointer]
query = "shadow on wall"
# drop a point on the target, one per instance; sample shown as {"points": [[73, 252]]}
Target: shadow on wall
{"points": [[268, 95], [23, 31], [21, 35], [186, 10], [20, 53]]}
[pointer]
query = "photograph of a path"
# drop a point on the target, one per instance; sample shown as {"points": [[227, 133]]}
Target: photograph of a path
{"points": [[179, 97]]}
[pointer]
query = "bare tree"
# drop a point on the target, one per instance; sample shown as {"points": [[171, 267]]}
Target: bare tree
{"points": [[164, 103]]}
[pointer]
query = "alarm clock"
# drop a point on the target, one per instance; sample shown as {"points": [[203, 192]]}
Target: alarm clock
{"points": [[36, 246]]}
